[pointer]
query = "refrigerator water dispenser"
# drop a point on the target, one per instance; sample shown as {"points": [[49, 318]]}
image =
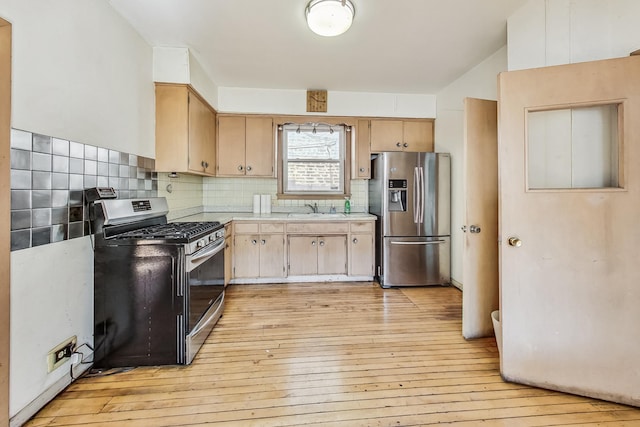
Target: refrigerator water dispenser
{"points": [[397, 195]]}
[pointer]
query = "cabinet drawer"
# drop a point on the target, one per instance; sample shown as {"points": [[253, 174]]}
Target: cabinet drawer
{"points": [[272, 227], [362, 227], [317, 227], [245, 227]]}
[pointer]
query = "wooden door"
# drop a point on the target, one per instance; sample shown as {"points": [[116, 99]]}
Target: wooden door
{"points": [[272, 255], [332, 255], [231, 146], [5, 202], [202, 136], [259, 145], [246, 256], [386, 135], [417, 135], [361, 255], [569, 293], [480, 247], [303, 255]]}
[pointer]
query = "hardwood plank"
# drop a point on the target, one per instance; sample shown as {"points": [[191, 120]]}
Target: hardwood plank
{"points": [[340, 354]]}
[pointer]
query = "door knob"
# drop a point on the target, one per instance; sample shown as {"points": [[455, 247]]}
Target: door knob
{"points": [[474, 229], [515, 242]]}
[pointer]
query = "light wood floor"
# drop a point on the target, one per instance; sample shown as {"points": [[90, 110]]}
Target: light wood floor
{"points": [[335, 354]]}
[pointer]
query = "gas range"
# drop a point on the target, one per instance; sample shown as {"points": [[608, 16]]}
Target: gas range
{"points": [[159, 287]]}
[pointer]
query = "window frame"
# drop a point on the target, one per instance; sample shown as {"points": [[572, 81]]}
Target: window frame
{"points": [[345, 161]]}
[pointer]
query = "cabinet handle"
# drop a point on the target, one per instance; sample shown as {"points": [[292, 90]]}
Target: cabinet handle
{"points": [[254, 242], [361, 169], [203, 164], [313, 243], [248, 168], [262, 242], [405, 145], [240, 168], [321, 242], [398, 144], [355, 240]]}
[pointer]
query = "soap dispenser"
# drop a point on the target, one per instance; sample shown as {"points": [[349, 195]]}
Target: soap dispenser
{"points": [[347, 205]]}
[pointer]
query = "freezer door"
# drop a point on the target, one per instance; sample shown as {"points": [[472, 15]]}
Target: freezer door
{"points": [[415, 261]]}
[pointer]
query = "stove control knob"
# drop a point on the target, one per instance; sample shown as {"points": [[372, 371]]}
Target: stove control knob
{"points": [[200, 244], [211, 237]]}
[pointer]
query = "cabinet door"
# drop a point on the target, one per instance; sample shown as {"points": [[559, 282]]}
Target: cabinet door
{"points": [[228, 254], [231, 146], [246, 256], [259, 146], [272, 255], [418, 136], [362, 154], [332, 255], [172, 131], [303, 255], [361, 255], [202, 127], [386, 135]]}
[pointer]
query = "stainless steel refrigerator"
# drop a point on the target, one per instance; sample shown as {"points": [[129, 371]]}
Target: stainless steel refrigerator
{"points": [[410, 193]]}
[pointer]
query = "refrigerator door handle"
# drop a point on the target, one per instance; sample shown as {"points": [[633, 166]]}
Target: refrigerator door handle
{"points": [[416, 195], [421, 174], [432, 242]]}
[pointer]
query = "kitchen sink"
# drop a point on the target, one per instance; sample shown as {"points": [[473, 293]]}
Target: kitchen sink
{"points": [[317, 215]]}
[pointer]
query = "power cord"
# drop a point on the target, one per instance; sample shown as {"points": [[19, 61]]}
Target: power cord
{"points": [[82, 360]]}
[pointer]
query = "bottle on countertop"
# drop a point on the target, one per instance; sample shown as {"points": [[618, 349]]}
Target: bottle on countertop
{"points": [[347, 205]]}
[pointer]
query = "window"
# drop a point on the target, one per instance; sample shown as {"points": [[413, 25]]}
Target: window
{"points": [[314, 159], [576, 147]]}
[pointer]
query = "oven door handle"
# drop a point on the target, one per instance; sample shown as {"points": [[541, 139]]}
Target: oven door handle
{"points": [[207, 253]]}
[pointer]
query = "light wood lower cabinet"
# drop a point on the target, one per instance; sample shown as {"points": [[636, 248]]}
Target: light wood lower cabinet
{"points": [[257, 253], [281, 250], [361, 248], [317, 255]]}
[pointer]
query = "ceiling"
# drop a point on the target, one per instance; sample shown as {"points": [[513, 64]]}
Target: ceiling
{"points": [[394, 46]]}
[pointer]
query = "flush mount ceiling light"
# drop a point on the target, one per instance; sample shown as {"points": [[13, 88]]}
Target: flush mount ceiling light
{"points": [[329, 17]]}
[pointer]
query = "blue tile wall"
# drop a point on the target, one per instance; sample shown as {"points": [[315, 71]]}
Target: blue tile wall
{"points": [[48, 176]]}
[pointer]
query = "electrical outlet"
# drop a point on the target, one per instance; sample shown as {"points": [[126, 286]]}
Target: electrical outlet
{"points": [[61, 353]]}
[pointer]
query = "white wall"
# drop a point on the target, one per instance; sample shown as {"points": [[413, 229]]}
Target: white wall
{"points": [[552, 32], [479, 82], [80, 72], [294, 102]]}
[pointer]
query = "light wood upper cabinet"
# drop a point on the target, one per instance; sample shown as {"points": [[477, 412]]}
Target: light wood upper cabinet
{"points": [[401, 135], [185, 131], [245, 146], [361, 163]]}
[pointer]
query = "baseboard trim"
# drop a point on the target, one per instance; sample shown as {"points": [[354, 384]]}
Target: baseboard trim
{"points": [[456, 284], [47, 396]]}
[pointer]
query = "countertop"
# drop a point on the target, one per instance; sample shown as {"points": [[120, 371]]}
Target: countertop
{"points": [[225, 217]]}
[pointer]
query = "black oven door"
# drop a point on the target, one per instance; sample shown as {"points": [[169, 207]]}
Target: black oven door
{"points": [[205, 280]]}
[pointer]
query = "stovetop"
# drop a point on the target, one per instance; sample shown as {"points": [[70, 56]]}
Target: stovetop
{"points": [[185, 231]]}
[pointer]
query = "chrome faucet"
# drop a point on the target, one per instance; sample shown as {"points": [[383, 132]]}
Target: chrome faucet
{"points": [[314, 208]]}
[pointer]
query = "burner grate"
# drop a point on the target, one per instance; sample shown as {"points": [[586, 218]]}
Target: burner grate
{"points": [[174, 230]]}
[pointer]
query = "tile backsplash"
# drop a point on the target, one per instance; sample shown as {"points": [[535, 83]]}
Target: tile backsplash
{"points": [[48, 176], [236, 195]]}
